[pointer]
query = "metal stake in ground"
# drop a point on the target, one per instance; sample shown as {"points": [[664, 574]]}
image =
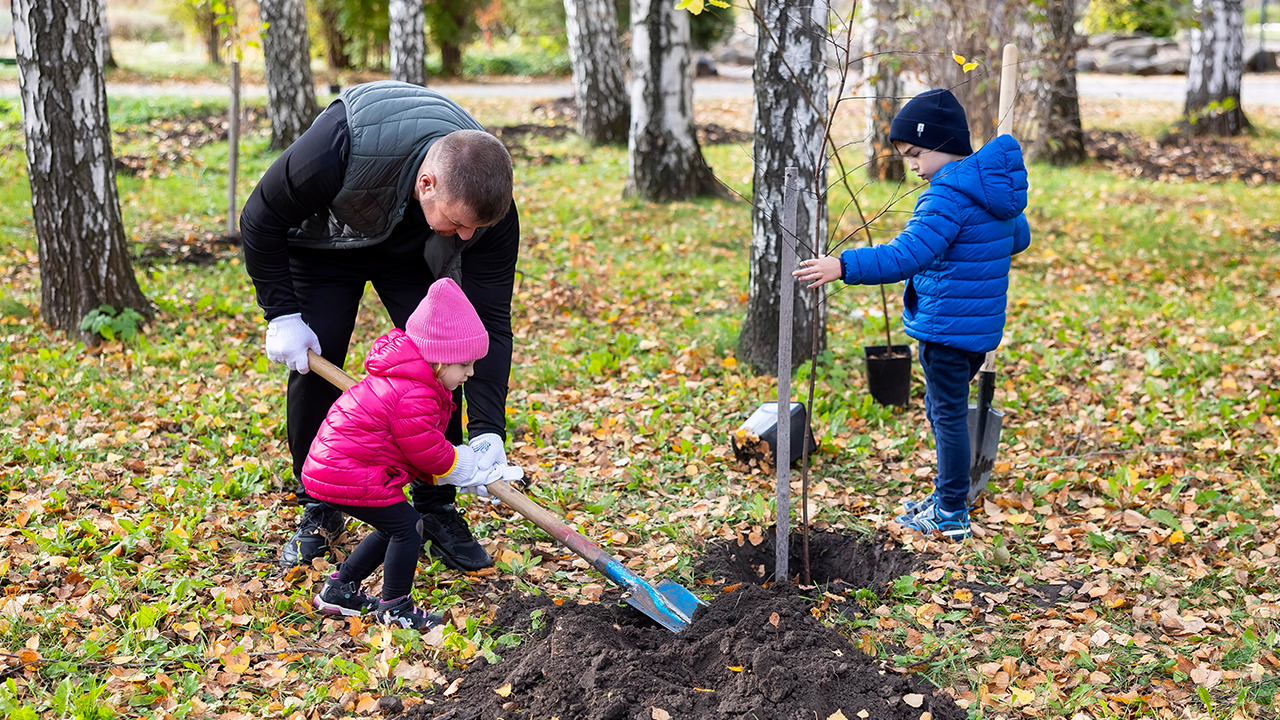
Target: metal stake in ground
{"points": [[782, 455]]}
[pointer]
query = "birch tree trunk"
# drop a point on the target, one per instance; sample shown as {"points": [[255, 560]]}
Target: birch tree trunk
{"points": [[1057, 136], [108, 58], [880, 32], [408, 41], [84, 258], [1216, 68], [790, 102], [291, 91], [664, 160], [599, 83]]}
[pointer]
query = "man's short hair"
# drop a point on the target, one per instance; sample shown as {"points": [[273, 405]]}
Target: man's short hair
{"points": [[473, 167]]}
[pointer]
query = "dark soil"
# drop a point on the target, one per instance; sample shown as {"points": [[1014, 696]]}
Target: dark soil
{"points": [[834, 558], [1179, 157], [753, 653]]}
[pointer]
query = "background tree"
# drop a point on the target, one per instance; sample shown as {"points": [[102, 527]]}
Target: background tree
{"points": [[1216, 69], [451, 24], [599, 82], [881, 69], [108, 58], [664, 160], [1057, 136], [335, 40], [408, 41], [790, 99], [84, 259], [286, 48]]}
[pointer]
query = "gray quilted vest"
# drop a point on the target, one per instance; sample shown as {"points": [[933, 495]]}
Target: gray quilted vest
{"points": [[392, 126]]}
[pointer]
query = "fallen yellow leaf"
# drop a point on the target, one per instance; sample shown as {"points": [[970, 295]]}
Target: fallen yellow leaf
{"points": [[837, 715], [503, 691], [735, 668], [660, 714]]}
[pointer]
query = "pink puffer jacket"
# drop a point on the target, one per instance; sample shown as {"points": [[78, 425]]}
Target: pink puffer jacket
{"points": [[383, 432]]}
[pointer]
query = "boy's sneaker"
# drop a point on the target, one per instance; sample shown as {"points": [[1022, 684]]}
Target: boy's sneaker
{"points": [[952, 525], [404, 613], [346, 599], [912, 508]]}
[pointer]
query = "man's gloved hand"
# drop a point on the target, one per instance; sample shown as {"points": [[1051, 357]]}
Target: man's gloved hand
{"points": [[288, 340], [489, 451], [464, 469]]}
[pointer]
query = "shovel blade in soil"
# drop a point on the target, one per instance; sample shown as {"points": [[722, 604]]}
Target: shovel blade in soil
{"points": [[669, 604], [983, 449]]}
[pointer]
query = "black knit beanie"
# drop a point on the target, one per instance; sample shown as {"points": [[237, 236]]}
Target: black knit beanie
{"points": [[933, 120]]}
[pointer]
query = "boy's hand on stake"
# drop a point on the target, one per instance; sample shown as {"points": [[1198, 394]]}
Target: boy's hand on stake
{"points": [[818, 271]]}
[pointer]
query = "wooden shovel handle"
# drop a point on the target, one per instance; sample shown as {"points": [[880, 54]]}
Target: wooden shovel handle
{"points": [[329, 371], [1008, 93]]}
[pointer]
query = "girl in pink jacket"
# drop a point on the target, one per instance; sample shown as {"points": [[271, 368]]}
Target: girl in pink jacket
{"points": [[384, 432]]}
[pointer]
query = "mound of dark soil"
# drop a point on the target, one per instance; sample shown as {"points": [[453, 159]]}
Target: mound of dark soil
{"points": [[834, 558], [1179, 157], [751, 654]]}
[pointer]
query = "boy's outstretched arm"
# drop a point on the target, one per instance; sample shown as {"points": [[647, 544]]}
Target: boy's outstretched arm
{"points": [[818, 271]]}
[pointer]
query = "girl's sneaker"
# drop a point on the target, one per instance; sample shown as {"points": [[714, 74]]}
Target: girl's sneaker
{"points": [[912, 508], [339, 598], [952, 525], [404, 613]]}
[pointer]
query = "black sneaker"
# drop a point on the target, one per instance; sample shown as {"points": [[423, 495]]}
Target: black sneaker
{"points": [[446, 535], [404, 613], [346, 599], [319, 524]]}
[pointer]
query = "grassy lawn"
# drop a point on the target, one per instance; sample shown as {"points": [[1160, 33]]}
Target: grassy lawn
{"points": [[144, 485]]}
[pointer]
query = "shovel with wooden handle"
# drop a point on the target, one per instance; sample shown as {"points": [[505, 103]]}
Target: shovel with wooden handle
{"points": [[668, 603], [984, 420]]}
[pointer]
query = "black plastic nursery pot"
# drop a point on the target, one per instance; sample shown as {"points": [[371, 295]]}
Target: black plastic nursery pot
{"points": [[889, 373]]}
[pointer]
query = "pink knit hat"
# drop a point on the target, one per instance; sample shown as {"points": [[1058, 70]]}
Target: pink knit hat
{"points": [[445, 327]]}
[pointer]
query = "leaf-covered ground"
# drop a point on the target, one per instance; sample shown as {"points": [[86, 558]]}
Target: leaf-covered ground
{"points": [[144, 485]]}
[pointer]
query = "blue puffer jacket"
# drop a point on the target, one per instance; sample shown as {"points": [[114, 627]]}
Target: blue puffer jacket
{"points": [[955, 251]]}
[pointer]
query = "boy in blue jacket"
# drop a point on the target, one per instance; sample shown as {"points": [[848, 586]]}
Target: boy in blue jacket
{"points": [[954, 254]]}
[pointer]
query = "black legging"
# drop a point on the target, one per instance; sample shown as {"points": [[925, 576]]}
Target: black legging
{"points": [[394, 544], [329, 285]]}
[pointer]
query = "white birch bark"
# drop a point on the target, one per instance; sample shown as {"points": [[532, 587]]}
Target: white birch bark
{"points": [[664, 160], [1216, 69], [291, 92], [84, 258], [789, 72], [599, 81], [408, 41]]}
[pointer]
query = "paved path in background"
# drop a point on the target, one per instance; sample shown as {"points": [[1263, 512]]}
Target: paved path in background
{"points": [[1256, 90]]}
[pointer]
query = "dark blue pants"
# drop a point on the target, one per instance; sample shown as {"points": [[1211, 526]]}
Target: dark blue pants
{"points": [[394, 544], [947, 374]]}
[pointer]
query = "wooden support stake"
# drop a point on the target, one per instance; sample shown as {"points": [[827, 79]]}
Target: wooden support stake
{"points": [[787, 289], [233, 148]]}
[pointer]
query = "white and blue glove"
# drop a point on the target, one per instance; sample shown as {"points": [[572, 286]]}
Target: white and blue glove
{"points": [[489, 451], [289, 338], [507, 473]]}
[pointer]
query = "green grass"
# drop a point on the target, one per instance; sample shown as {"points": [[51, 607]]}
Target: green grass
{"points": [[144, 483]]}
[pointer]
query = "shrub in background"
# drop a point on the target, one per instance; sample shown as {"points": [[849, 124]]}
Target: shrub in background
{"points": [[1152, 17]]}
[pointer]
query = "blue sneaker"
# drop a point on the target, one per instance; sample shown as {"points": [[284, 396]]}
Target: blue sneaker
{"points": [[915, 507], [952, 525]]}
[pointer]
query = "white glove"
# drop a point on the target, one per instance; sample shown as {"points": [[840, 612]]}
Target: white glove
{"points": [[464, 472], [507, 473], [489, 452], [288, 340]]}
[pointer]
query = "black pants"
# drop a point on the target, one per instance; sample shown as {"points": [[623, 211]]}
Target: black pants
{"points": [[329, 285], [394, 544]]}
